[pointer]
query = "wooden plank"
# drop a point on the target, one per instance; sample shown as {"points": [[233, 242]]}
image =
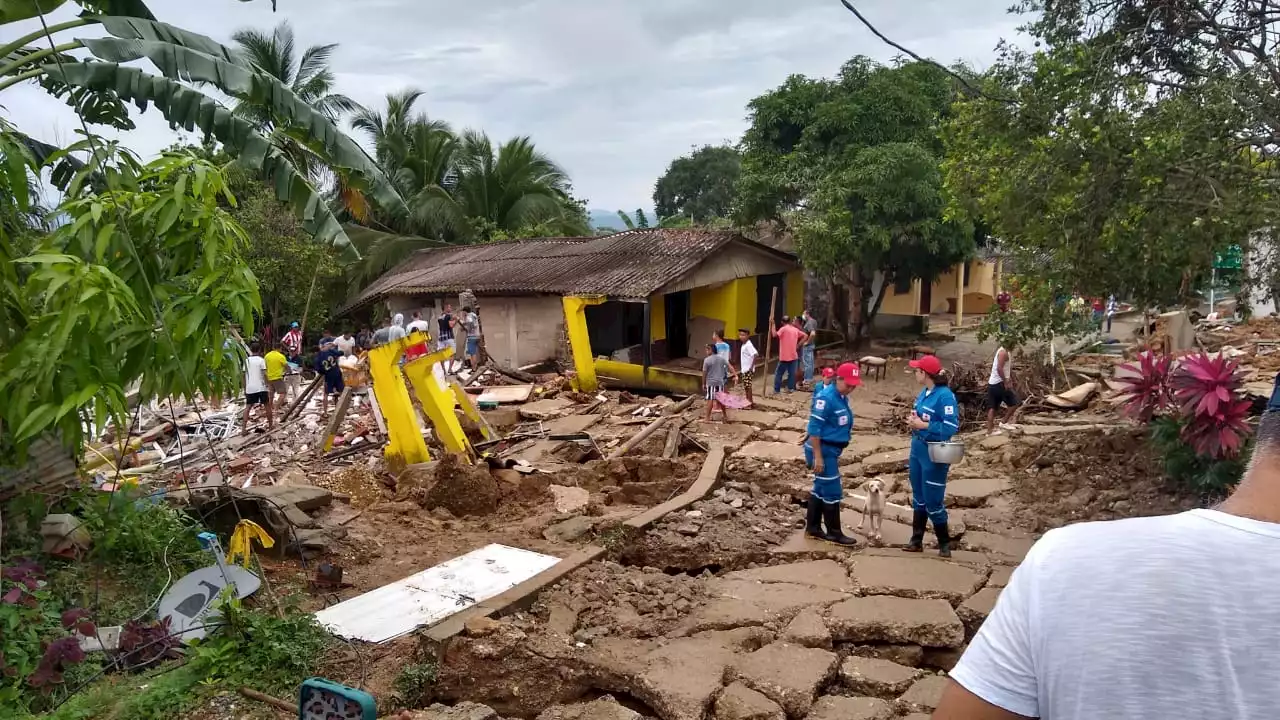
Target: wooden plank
{"points": [[335, 420], [672, 448], [768, 340], [302, 399], [505, 394]]}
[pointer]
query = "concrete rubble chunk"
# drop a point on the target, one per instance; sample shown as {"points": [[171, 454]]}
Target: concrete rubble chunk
{"points": [[974, 492], [569, 499], [462, 711], [794, 424], [863, 445], [742, 603], [925, 693], [783, 436], [788, 674], [915, 577], [305, 497], [1000, 576], [681, 678], [808, 629], [835, 707], [821, 573], [886, 462], [884, 618], [544, 409], [569, 530], [876, 677], [994, 442], [976, 609], [905, 655], [739, 702], [758, 418], [603, 708], [1015, 548], [771, 451]]}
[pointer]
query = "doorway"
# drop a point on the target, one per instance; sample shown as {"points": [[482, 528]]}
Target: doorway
{"points": [[675, 307], [765, 285], [926, 296]]}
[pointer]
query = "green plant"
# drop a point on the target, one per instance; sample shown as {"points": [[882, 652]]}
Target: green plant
{"points": [[413, 684], [1206, 476], [260, 649]]}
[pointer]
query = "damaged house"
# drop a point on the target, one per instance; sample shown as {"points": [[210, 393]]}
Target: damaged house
{"points": [[664, 291]]}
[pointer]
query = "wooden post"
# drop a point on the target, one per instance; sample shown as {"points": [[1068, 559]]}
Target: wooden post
{"points": [[768, 341], [641, 436], [960, 295], [335, 420], [303, 397], [672, 448]]}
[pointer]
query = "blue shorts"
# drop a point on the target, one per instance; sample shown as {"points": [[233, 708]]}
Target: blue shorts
{"points": [[473, 346]]}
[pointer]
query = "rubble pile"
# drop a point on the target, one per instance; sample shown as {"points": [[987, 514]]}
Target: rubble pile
{"points": [[608, 599]]}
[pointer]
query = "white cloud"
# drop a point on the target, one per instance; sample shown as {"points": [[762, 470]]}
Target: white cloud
{"points": [[612, 89]]}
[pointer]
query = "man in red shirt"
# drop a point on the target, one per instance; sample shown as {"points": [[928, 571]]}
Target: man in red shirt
{"points": [[1003, 301], [789, 338]]}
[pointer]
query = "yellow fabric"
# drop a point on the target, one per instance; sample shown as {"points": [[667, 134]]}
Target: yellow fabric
{"points": [[242, 541], [276, 362]]}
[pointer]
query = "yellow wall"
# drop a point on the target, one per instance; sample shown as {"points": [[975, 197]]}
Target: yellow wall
{"points": [[900, 304], [794, 285], [733, 303], [979, 294], [657, 318]]}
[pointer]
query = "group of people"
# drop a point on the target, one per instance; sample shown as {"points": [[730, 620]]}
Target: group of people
{"points": [[797, 350]]}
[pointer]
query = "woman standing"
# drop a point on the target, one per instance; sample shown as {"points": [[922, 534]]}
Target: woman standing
{"points": [[936, 418]]}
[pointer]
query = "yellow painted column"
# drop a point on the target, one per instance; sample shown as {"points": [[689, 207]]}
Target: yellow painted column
{"points": [[575, 325], [915, 297], [438, 402], [405, 445], [960, 295], [657, 317], [999, 280]]}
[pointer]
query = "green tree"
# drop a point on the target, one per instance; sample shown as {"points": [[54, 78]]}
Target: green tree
{"points": [[308, 76], [99, 85], [700, 185], [1103, 186], [851, 166], [139, 285]]}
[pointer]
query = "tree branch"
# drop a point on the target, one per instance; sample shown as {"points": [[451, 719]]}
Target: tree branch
{"points": [[963, 81]]}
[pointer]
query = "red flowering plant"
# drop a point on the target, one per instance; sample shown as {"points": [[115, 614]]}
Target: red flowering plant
{"points": [[1206, 390], [35, 649], [1146, 392]]}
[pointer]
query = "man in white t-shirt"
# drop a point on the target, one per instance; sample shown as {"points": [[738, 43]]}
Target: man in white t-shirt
{"points": [[418, 324], [1143, 619], [747, 355], [255, 385]]}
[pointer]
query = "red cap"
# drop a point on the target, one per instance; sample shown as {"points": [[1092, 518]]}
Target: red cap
{"points": [[930, 364], [828, 372], [849, 373]]}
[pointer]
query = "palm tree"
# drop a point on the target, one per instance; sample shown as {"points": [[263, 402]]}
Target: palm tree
{"points": [[310, 78]]}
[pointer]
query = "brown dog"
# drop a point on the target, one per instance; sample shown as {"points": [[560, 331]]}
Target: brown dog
{"points": [[873, 507]]}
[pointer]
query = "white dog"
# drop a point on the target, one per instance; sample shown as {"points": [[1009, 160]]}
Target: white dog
{"points": [[873, 507]]}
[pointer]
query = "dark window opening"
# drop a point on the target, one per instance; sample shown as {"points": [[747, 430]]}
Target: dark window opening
{"points": [[901, 285], [614, 326]]}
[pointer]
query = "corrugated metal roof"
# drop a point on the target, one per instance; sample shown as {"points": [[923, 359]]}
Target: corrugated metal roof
{"points": [[631, 264]]}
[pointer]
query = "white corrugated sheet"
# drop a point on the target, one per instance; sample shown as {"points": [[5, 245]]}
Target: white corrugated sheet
{"points": [[433, 594]]}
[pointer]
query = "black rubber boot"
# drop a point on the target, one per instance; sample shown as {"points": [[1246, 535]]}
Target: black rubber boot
{"points": [[813, 519], [944, 539], [918, 522], [831, 515]]}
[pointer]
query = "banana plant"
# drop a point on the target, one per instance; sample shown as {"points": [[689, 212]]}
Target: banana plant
{"points": [[99, 85]]}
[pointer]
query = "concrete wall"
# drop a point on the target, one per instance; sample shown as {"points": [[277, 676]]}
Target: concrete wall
{"points": [[979, 293], [517, 330], [732, 303]]}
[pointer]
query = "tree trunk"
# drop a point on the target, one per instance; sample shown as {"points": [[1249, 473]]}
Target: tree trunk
{"points": [[857, 299]]}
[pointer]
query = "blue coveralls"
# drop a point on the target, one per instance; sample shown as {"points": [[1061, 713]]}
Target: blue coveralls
{"points": [[831, 421], [937, 407]]}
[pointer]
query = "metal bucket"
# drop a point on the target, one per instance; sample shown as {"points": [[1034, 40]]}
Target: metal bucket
{"points": [[946, 453]]}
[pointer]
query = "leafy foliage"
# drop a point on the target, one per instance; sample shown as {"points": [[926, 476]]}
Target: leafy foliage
{"points": [[414, 683], [1184, 465], [699, 186], [1039, 315], [1146, 386], [35, 649], [1207, 390], [154, 250], [260, 650], [852, 165]]}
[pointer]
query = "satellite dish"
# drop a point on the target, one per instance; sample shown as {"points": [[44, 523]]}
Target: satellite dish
{"points": [[190, 603]]}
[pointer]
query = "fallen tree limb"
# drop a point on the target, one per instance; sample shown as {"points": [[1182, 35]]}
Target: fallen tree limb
{"points": [[640, 437]]}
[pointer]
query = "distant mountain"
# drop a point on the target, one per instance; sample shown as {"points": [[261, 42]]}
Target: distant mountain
{"points": [[606, 219]]}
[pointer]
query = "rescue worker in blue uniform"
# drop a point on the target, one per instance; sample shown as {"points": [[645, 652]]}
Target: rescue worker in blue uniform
{"points": [[830, 428], [936, 418], [828, 379]]}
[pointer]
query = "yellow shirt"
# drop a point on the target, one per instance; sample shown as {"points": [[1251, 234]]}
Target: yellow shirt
{"points": [[276, 363]]}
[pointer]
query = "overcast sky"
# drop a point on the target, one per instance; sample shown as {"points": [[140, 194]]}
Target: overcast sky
{"points": [[613, 90]]}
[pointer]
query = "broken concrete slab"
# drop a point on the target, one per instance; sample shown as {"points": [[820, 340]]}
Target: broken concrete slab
{"points": [[863, 445], [820, 573], [783, 436], [1015, 548], [569, 530], [876, 677], [570, 424], [569, 499], [973, 492], [773, 451], [925, 693], [794, 424], [1000, 575], [808, 629], [905, 655], [974, 611], [739, 702], [995, 442], [741, 603], [731, 435], [901, 513], [462, 711], [885, 618], [603, 708], [545, 409], [915, 577], [836, 707], [887, 462], [790, 675], [305, 497], [681, 678], [757, 418]]}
